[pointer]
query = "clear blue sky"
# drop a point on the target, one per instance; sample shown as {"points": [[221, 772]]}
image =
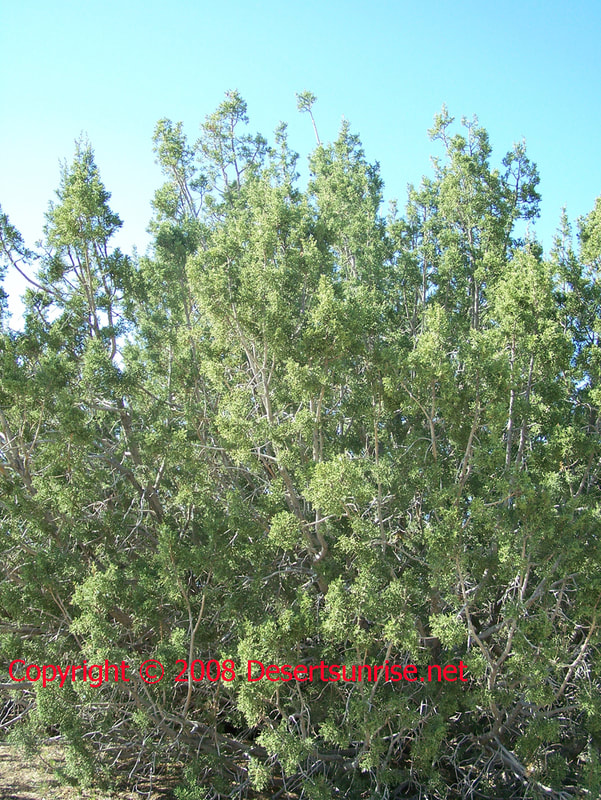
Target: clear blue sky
{"points": [[528, 70]]}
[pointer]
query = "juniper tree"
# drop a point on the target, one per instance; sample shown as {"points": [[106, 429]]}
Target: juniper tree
{"points": [[298, 432]]}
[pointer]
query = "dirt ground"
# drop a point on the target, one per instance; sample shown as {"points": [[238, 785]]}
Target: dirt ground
{"points": [[22, 778]]}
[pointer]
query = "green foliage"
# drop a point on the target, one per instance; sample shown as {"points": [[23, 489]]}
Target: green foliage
{"points": [[12, 251], [191, 788], [301, 433]]}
